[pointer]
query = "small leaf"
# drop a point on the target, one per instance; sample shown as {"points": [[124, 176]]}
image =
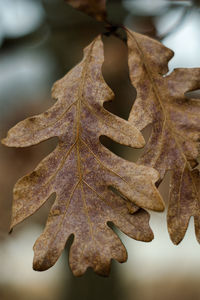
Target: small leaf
{"points": [[94, 8], [174, 142], [81, 171]]}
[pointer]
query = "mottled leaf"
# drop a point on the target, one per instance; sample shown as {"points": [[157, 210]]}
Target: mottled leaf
{"points": [[94, 8], [81, 171], [175, 119]]}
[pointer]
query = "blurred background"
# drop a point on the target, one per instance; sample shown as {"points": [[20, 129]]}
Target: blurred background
{"points": [[40, 40]]}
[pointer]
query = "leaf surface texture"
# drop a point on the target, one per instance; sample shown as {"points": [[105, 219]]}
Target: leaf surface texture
{"points": [[174, 142], [81, 170]]}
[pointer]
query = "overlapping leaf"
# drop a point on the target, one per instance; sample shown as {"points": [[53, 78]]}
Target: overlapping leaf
{"points": [[94, 8], [80, 171], [174, 143]]}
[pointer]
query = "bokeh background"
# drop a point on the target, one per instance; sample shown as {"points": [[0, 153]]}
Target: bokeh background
{"points": [[40, 40]]}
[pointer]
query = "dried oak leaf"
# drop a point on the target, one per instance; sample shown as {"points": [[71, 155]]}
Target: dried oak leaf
{"points": [[80, 171], [94, 8], [175, 119]]}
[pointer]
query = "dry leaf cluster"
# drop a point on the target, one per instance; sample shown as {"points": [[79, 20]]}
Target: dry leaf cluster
{"points": [[85, 175]]}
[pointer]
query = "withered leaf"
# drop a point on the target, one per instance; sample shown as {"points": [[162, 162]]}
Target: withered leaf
{"points": [[174, 142], [94, 8], [81, 170]]}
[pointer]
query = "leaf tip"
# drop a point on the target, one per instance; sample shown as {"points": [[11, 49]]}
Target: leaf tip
{"points": [[4, 141], [176, 240], [40, 265], [148, 235], [12, 225], [10, 231], [176, 235], [8, 141]]}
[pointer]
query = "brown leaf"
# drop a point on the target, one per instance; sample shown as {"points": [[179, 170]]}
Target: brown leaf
{"points": [[174, 142], [94, 8], [80, 171]]}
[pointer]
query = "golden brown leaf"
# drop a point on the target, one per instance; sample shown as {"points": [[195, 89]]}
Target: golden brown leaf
{"points": [[94, 8], [80, 171], [174, 142]]}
